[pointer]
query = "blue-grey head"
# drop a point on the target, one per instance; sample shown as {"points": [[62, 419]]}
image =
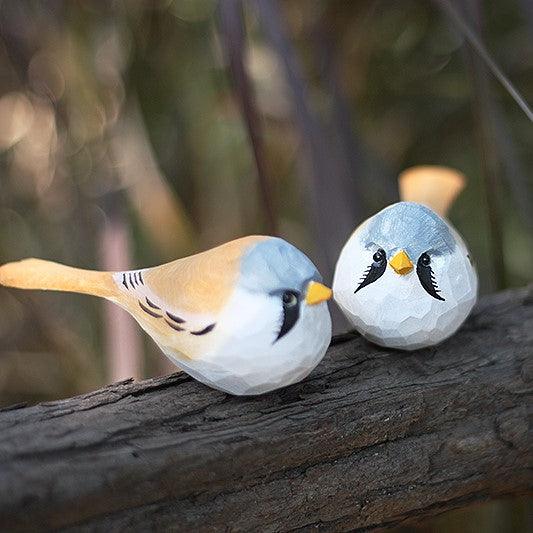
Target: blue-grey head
{"points": [[407, 235], [278, 269], [410, 227]]}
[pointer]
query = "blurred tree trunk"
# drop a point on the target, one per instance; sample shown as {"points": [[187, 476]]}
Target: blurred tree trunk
{"points": [[122, 336]]}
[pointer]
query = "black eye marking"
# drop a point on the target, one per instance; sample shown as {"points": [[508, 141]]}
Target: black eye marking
{"points": [[291, 311], [426, 276], [375, 270]]}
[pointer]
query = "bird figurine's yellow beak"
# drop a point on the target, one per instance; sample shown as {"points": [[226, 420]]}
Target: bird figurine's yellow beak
{"points": [[401, 263], [317, 293]]}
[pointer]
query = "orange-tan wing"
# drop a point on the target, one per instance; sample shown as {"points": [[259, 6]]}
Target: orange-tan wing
{"points": [[178, 303], [199, 284]]}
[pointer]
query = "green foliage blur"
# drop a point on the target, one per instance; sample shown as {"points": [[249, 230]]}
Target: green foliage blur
{"points": [[123, 143]]}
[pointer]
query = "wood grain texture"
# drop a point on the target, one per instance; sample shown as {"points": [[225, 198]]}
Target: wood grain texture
{"points": [[372, 438]]}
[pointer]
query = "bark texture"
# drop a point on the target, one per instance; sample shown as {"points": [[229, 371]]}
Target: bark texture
{"points": [[372, 438]]}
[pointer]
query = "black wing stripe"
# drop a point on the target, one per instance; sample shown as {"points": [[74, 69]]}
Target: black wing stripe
{"points": [[172, 321], [175, 318], [207, 329], [152, 304], [174, 326], [149, 311]]}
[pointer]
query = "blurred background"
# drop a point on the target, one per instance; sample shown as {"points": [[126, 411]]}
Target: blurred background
{"points": [[135, 132]]}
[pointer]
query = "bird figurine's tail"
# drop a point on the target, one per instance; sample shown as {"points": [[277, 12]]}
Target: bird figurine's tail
{"points": [[46, 275], [433, 186]]}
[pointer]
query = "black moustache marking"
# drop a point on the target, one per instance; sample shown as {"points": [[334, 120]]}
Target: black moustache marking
{"points": [[290, 317], [372, 273], [427, 280], [290, 310]]}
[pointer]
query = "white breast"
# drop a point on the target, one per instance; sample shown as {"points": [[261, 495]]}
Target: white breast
{"points": [[395, 311], [247, 359]]}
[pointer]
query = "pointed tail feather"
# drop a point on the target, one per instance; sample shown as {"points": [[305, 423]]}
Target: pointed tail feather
{"points": [[47, 275], [433, 186]]}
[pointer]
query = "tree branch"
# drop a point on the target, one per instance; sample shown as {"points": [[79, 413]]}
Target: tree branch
{"points": [[373, 438]]}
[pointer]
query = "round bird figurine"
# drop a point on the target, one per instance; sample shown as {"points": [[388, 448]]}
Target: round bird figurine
{"points": [[404, 278], [247, 317]]}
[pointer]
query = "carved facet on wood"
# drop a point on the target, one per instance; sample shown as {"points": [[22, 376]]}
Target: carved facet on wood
{"points": [[405, 278], [247, 317]]}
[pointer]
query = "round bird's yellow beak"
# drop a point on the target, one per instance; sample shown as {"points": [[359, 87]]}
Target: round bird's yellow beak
{"points": [[317, 293], [401, 263]]}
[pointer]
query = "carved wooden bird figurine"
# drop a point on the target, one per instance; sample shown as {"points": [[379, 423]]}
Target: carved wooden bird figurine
{"points": [[246, 317], [405, 278]]}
